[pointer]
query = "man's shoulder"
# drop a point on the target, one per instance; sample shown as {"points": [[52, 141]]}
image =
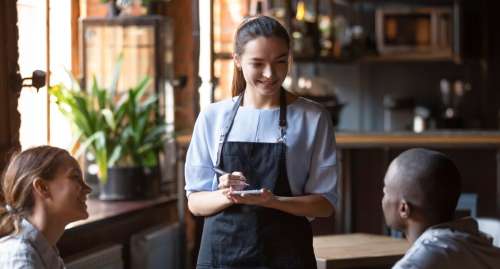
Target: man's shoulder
{"points": [[447, 248], [424, 256]]}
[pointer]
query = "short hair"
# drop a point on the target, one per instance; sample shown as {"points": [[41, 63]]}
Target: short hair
{"points": [[433, 179]]}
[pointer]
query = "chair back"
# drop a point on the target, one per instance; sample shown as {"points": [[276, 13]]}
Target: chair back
{"points": [[492, 227]]}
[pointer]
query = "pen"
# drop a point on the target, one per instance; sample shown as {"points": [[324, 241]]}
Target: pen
{"points": [[220, 171]]}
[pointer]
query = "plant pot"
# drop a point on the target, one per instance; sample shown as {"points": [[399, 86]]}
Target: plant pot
{"points": [[130, 183]]}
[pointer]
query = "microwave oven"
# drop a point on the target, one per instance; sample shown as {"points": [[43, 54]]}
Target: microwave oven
{"points": [[416, 30]]}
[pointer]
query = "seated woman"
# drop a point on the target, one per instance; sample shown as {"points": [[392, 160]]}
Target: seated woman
{"points": [[42, 191]]}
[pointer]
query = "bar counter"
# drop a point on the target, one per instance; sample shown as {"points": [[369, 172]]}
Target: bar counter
{"points": [[364, 157], [431, 138]]}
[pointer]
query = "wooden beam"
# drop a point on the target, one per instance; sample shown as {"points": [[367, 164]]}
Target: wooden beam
{"points": [[75, 33], [10, 85]]}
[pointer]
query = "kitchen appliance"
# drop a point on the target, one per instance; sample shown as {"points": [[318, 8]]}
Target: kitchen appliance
{"points": [[419, 30], [398, 113]]}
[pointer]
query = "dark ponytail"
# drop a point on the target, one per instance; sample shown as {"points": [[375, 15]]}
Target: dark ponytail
{"points": [[249, 29]]}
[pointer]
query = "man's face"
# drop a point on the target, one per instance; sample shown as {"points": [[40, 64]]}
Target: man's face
{"points": [[391, 202]]}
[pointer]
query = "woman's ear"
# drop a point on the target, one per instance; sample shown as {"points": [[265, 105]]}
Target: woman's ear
{"points": [[237, 61], [40, 188], [404, 209]]}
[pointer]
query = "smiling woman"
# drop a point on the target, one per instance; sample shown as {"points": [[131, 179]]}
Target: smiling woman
{"points": [[42, 191], [267, 140]]}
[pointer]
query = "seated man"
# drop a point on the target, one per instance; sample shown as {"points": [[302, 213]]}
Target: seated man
{"points": [[420, 196]]}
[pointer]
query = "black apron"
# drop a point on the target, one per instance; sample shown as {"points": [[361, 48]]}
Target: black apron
{"points": [[247, 236]]}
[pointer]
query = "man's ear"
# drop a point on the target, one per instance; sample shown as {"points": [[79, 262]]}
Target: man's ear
{"points": [[40, 188], [404, 209]]}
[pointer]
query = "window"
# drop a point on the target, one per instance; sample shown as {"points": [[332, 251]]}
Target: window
{"points": [[41, 122]]}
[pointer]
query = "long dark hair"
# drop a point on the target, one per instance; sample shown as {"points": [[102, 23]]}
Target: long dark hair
{"points": [[249, 29]]}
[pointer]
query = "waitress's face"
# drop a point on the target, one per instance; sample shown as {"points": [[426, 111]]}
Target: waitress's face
{"points": [[264, 63]]}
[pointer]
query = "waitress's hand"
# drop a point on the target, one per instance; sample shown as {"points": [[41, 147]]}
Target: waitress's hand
{"points": [[235, 180], [261, 199]]}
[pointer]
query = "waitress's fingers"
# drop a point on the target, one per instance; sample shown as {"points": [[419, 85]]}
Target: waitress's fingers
{"points": [[227, 193], [237, 175], [238, 184], [224, 181]]}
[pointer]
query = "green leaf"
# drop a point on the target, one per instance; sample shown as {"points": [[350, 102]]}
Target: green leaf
{"points": [[140, 89], [116, 75], [115, 155], [109, 117], [150, 159], [88, 143]]}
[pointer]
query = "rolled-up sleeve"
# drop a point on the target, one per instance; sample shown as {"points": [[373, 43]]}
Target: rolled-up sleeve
{"points": [[323, 165], [199, 173]]}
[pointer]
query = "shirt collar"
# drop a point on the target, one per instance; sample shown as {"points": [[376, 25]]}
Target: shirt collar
{"points": [[49, 254]]}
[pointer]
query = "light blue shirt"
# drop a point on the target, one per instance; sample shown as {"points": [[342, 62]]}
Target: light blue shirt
{"points": [[28, 250], [310, 157]]}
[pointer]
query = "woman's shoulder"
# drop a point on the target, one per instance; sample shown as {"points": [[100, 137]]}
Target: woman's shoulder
{"points": [[308, 106], [219, 108], [16, 245]]}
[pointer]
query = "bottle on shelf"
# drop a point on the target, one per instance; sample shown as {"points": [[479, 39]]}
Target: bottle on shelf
{"points": [[304, 29]]}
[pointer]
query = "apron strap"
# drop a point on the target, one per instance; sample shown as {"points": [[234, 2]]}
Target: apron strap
{"points": [[227, 127], [282, 116], [229, 123]]}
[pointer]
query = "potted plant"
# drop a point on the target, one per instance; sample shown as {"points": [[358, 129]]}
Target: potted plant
{"points": [[121, 131]]}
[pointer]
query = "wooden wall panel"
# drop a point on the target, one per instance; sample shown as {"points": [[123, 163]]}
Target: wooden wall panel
{"points": [[9, 81], [95, 8], [186, 98]]}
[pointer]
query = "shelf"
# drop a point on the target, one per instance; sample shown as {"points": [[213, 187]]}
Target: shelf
{"points": [[297, 59], [388, 58], [411, 57]]}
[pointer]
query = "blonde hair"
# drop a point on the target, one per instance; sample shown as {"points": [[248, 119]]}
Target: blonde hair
{"points": [[16, 194]]}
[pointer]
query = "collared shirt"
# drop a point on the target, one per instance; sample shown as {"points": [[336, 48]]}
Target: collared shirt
{"points": [[28, 249], [453, 245], [310, 157]]}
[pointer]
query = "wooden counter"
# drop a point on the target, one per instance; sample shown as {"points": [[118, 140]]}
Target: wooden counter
{"points": [[104, 211], [437, 138], [377, 139], [358, 251], [114, 223], [364, 158]]}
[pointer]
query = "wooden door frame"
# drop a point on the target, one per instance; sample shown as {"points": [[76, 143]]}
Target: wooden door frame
{"points": [[10, 81]]}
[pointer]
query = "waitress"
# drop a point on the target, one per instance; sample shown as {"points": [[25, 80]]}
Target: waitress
{"points": [[266, 139]]}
